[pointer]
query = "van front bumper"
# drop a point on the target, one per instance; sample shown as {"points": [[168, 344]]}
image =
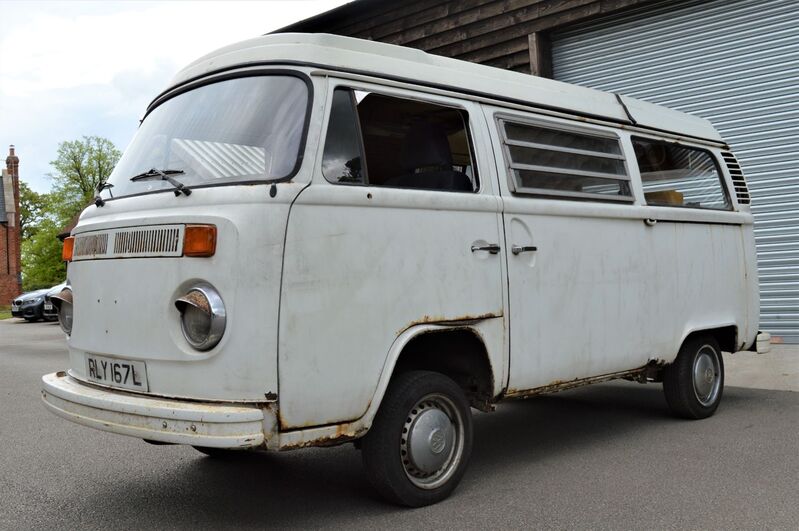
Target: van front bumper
{"points": [[159, 419]]}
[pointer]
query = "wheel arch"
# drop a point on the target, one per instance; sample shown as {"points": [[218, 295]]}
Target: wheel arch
{"points": [[725, 334], [483, 337]]}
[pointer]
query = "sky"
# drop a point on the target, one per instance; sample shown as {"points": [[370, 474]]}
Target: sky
{"points": [[69, 69]]}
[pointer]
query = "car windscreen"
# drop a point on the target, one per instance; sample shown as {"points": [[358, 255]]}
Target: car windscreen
{"points": [[245, 129]]}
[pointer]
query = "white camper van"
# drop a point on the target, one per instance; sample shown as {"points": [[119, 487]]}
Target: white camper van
{"points": [[315, 239]]}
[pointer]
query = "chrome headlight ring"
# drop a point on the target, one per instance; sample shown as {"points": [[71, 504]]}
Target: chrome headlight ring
{"points": [[202, 316], [63, 303]]}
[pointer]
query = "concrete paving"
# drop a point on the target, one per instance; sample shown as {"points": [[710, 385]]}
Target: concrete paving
{"points": [[603, 457], [779, 369]]}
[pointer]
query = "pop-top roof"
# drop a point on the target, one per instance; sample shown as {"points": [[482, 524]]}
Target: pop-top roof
{"points": [[387, 60]]}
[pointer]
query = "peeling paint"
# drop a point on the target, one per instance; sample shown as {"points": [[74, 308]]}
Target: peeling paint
{"points": [[641, 374], [442, 320], [344, 433]]}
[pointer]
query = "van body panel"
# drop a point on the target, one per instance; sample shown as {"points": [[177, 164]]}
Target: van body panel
{"points": [[612, 287], [353, 250], [126, 305]]}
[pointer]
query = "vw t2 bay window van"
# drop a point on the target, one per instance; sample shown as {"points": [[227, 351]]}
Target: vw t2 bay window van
{"points": [[315, 239]]}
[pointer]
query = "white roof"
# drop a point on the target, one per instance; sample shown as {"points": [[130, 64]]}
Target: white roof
{"points": [[388, 60]]}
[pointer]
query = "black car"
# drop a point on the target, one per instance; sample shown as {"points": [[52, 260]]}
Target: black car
{"points": [[29, 306], [50, 312]]}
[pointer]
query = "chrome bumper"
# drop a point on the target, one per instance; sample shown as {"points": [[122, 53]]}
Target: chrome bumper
{"points": [[763, 343], [159, 419]]}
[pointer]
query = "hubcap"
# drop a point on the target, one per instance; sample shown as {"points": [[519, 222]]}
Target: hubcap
{"points": [[432, 441], [707, 375]]}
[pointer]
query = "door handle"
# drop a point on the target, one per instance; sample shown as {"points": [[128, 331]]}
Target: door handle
{"points": [[517, 249], [492, 248], [650, 222]]}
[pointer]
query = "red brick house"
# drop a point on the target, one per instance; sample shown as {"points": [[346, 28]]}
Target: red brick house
{"points": [[10, 265]]}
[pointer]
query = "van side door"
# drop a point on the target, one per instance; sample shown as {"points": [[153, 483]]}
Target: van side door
{"points": [[580, 281]]}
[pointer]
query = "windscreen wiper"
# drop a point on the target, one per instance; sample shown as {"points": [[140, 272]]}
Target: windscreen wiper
{"points": [[164, 175], [98, 200]]}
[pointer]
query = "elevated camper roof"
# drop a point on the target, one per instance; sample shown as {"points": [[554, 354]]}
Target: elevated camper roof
{"points": [[396, 62]]}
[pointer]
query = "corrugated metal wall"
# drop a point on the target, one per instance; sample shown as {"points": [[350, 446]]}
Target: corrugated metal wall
{"points": [[733, 62]]}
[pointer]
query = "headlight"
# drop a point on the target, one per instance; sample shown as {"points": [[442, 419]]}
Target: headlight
{"points": [[63, 303], [37, 300], [202, 316]]}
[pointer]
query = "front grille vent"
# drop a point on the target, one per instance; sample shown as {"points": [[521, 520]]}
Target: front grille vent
{"points": [[133, 242], [91, 244], [146, 241], [738, 180]]}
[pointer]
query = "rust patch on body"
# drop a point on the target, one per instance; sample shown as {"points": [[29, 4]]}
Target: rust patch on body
{"points": [[459, 320], [345, 432], [641, 374]]}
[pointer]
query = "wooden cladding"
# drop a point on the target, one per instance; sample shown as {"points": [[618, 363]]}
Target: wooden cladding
{"points": [[510, 34]]}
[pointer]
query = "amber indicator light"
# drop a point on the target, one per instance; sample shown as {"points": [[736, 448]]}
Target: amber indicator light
{"points": [[66, 250], [199, 240]]}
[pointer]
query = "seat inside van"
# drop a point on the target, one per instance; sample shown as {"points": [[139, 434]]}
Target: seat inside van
{"points": [[412, 144]]}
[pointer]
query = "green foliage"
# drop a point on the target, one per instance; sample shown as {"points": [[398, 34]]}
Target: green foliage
{"points": [[41, 257], [79, 167], [32, 208]]}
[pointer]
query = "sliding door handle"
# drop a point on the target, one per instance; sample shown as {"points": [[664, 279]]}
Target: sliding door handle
{"points": [[517, 249], [492, 248]]}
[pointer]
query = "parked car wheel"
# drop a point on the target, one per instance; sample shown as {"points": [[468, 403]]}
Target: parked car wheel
{"points": [[694, 382], [417, 450]]}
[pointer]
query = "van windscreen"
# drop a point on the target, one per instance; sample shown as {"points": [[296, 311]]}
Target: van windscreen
{"points": [[244, 129]]}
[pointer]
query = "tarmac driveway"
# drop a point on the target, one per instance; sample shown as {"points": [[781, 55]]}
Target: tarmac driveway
{"points": [[604, 457]]}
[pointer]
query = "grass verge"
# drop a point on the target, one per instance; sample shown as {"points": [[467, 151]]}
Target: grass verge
{"points": [[5, 312]]}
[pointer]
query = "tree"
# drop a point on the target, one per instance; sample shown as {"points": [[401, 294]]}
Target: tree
{"points": [[41, 257], [32, 208], [79, 167]]}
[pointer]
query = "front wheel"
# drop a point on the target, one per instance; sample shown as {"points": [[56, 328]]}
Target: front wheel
{"points": [[417, 450], [220, 453], [694, 382]]}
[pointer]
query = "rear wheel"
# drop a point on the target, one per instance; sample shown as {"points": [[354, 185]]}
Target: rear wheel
{"points": [[694, 383], [417, 450]]}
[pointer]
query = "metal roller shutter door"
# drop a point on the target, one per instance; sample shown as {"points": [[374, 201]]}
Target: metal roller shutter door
{"points": [[734, 63]]}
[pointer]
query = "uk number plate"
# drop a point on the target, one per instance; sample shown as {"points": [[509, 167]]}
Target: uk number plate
{"points": [[48, 306], [116, 372]]}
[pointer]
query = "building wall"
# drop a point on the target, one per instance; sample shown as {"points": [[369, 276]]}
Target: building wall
{"points": [[510, 34], [10, 265]]}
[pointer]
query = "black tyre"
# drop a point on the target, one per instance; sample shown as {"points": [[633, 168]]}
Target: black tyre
{"points": [[417, 450], [694, 382], [220, 453]]}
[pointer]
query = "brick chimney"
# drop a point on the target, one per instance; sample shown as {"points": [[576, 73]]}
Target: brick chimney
{"points": [[10, 261]]}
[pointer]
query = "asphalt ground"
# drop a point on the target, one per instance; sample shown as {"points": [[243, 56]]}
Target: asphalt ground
{"points": [[602, 457]]}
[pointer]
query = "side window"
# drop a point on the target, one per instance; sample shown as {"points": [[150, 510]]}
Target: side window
{"points": [[675, 175], [564, 163], [406, 143], [342, 161]]}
